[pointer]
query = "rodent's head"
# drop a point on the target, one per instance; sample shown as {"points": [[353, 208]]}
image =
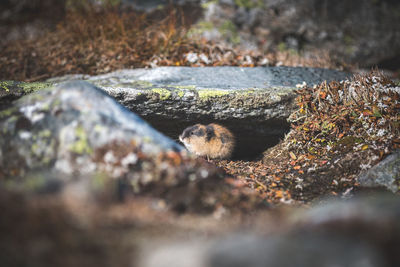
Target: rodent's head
{"points": [[213, 140], [193, 135]]}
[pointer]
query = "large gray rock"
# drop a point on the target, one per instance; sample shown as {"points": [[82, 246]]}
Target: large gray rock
{"points": [[65, 127], [253, 102], [386, 174], [221, 93]]}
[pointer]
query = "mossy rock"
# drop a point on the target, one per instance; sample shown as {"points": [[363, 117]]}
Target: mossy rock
{"points": [[12, 90]]}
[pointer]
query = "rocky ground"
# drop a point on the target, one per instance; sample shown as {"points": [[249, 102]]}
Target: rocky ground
{"points": [[91, 173], [86, 181]]}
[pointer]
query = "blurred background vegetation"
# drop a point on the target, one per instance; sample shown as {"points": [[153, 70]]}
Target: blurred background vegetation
{"points": [[43, 39]]}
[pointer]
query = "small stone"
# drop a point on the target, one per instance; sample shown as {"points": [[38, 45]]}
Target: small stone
{"points": [[385, 174]]}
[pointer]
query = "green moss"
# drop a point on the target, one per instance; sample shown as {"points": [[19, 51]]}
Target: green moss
{"points": [[131, 84], [163, 93], [8, 112], [147, 139], [45, 107], [81, 146], [326, 127], [249, 3], [13, 118], [179, 90], [140, 84], [200, 27], [205, 25], [350, 141], [99, 181], [98, 128], [181, 93], [247, 92], [348, 40], [5, 85], [207, 4], [112, 3], [282, 47], [46, 160], [188, 87], [35, 148], [205, 94], [32, 87], [34, 183], [228, 30], [45, 133]]}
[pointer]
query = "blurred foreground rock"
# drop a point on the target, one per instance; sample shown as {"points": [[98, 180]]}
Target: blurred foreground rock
{"points": [[76, 135], [44, 231], [70, 129], [360, 232]]}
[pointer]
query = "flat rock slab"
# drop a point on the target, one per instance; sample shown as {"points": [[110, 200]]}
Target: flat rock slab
{"points": [[225, 77], [253, 102], [219, 93]]}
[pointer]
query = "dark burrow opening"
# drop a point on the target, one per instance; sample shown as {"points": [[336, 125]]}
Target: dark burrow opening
{"points": [[253, 137]]}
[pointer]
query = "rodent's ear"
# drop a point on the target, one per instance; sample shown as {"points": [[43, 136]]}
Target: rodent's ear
{"points": [[210, 133]]}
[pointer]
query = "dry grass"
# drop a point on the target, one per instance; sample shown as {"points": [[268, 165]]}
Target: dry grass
{"points": [[365, 109], [101, 41], [92, 43], [339, 130]]}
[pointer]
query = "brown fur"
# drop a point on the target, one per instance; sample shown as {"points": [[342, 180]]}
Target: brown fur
{"points": [[211, 141]]}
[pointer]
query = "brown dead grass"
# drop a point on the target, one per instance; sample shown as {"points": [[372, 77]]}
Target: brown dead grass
{"points": [[339, 130], [95, 42]]}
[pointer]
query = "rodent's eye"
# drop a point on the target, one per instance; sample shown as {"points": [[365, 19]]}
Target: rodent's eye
{"points": [[191, 133]]}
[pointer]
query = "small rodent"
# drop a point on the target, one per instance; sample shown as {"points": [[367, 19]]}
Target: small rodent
{"points": [[212, 141]]}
